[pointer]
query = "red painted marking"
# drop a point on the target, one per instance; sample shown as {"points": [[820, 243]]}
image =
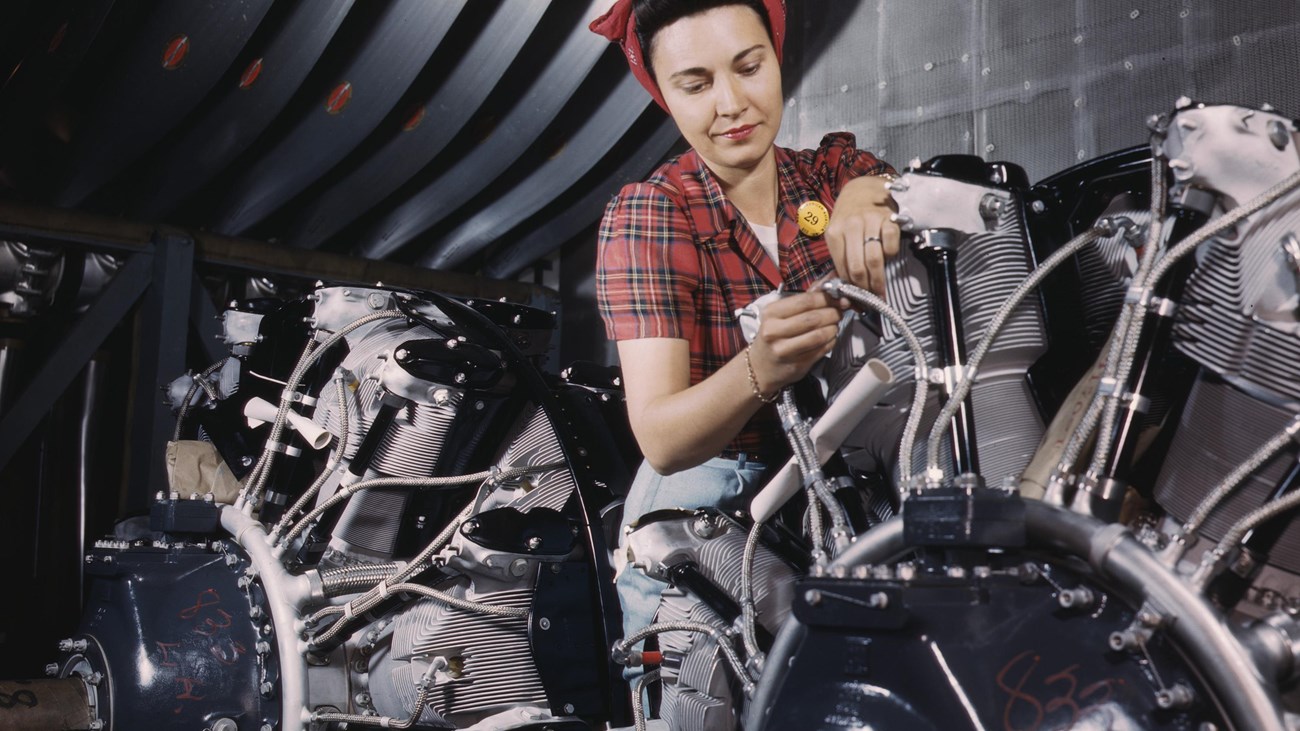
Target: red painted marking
{"points": [[209, 626], [250, 74], [166, 654], [414, 120], [188, 694], [205, 598], [176, 51], [339, 98], [57, 40], [229, 653]]}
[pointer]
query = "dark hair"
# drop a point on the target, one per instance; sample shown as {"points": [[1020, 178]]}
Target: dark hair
{"points": [[653, 16]]}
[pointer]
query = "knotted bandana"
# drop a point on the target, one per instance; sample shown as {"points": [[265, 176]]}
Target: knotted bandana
{"points": [[618, 24]]}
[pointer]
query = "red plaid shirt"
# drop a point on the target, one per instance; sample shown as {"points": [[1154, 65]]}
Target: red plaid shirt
{"points": [[676, 260]]}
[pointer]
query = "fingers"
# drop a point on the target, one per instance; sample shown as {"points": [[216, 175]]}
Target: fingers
{"points": [[795, 331], [860, 246]]}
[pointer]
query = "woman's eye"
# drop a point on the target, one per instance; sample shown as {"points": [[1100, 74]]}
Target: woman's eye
{"points": [[694, 88], [749, 70]]}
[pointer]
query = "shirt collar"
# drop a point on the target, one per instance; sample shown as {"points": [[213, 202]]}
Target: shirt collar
{"points": [[713, 214]]}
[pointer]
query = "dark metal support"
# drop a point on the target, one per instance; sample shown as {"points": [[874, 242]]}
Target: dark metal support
{"points": [[163, 320], [71, 356], [938, 250], [203, 318], [1154, 342]]}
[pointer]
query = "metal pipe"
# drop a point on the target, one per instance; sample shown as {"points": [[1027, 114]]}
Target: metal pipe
{"points": [[91, 377], [285, 594], [939, 253]]}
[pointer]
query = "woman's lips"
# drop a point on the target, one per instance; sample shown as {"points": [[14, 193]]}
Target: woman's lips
{"points": [[740, 133]]}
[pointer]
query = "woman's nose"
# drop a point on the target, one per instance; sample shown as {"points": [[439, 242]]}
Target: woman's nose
{"points": [[731, 99]]}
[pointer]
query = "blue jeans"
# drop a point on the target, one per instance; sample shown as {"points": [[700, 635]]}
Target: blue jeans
{"points": [[727, 484]]}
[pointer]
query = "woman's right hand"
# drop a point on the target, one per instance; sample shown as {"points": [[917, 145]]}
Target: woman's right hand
{"points": [[794, 331]]}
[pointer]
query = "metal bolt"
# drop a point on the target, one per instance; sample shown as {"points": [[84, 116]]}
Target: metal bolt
{"points": [[231, 559], [878, 600], [401, 354], [544, 623], [266, 689], [568, 708], [362, 699], [1179, 695], [469, 527], [96, 725], [263, 647], [1278, 134], [224, 724], [256, 612], [70, 645], [812, 597], [534, 543], [1080, 597], [990, 206], [1149, 618], [52, 669], [1124, 640]]}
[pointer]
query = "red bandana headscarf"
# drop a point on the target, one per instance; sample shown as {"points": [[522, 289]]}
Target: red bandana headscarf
{"points": [[618, 24]]}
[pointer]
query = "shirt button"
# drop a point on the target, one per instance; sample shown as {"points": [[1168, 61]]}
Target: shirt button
{"points": [[813, 217]]}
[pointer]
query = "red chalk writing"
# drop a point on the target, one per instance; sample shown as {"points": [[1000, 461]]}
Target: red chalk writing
{"points": [[1029, 701]]}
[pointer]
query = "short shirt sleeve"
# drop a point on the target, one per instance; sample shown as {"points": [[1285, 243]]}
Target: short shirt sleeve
{"points": [[836, 161], [647, 267]]}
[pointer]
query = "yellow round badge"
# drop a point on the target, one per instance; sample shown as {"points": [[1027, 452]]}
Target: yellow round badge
{"points": [[813, 218]]}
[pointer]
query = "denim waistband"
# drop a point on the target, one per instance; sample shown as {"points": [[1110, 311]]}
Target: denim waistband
{"points": [[742, 460]]}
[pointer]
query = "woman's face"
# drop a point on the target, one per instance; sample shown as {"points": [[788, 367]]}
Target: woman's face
{"points": [[719, 75]]}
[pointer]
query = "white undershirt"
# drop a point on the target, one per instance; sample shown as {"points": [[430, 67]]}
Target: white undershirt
{"points": [[767, 237]]}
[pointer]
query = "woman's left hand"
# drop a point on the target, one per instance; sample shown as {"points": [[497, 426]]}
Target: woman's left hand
{"points": [[860, 235]]}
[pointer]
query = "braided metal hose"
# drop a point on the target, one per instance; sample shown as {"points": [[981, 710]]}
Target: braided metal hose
{"points": [[836, 288], [310, 493], [252, 492], [723, 642], [199, 381], [999, 320]]}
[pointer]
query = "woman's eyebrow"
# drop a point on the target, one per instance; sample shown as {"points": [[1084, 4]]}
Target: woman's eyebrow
{"points": [[701, 71]]}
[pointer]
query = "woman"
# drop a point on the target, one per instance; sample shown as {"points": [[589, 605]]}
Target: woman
{"points": [[707, 234]]}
